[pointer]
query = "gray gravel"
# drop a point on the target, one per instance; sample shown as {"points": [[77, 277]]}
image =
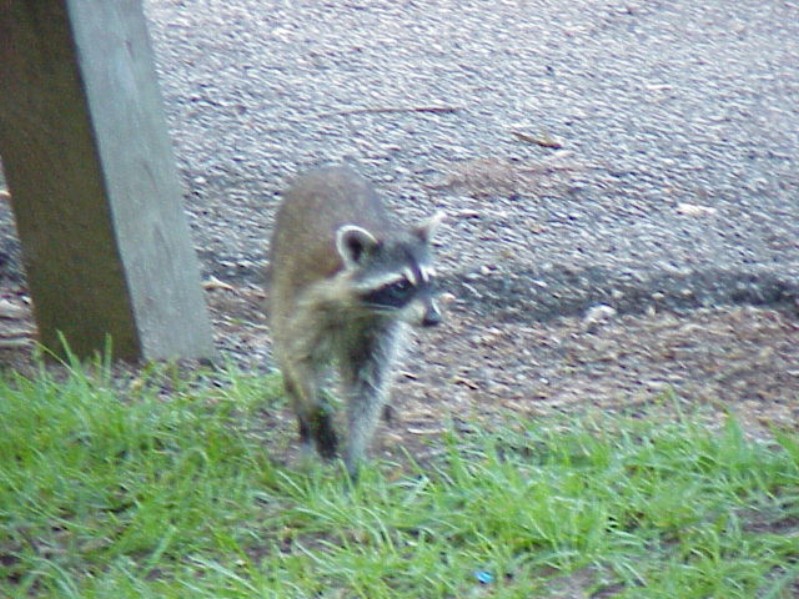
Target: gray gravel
{"points": [[660, 108]]}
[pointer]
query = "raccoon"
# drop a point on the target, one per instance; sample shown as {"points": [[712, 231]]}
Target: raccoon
{"points": [[345, 283]]}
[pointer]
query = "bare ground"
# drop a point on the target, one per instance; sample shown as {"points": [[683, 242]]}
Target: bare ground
{"points": [[739, 360]]}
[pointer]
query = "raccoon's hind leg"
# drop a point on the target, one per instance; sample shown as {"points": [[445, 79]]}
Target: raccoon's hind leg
{"points": [[366, 372], [313, 414]]}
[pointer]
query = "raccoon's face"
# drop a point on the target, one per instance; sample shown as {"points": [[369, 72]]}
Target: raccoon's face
{"points": [[393, 277]]}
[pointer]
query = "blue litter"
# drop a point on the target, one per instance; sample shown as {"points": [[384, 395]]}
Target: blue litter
{"points": [[484, 577]]}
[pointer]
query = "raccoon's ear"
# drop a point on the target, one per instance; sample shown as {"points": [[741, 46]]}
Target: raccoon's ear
{"points": [[427, 229], [353, 243]]}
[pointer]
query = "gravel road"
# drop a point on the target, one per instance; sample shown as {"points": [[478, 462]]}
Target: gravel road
{"points": [[674, 178], [640, 154]]}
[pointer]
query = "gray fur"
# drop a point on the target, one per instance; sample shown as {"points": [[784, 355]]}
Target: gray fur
{"points": [[333, 244]]}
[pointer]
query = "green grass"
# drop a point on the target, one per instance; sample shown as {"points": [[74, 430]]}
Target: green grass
{"points": [[113, 491]]}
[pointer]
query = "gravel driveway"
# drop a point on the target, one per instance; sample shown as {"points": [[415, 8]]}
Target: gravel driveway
{"points": [[639, 154], [658, 105]]}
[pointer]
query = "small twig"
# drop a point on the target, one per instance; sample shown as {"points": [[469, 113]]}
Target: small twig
{"points": [[214, 283], [544, 140], [387, 109]]}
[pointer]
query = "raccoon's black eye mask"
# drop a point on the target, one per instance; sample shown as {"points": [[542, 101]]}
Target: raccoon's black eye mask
{"points": [[393, 295]]}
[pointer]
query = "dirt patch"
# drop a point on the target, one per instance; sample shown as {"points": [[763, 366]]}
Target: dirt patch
{"points": [[737, 360]]}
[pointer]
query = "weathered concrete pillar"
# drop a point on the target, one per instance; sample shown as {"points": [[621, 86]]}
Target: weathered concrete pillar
{"points": [[93, 181]]}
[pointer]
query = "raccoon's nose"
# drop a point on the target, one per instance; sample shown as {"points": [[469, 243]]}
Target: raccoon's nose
{"points": [[431, 318]]}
